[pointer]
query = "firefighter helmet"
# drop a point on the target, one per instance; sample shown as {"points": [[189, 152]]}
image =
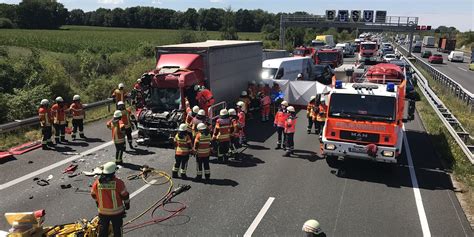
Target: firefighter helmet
{"points": [[44, 102], [201, 126], [117, 114], [196, 109], [240, 104], [312, 226], [323, 99], [76, 97], [201, 112], [109, 168], [121, 86], [59, 99], [312, 98], [223, 112], [197, 87], [139, 80], [284, 103], [120, 103], [300, 75], [232, 112], [182, 127], [244, 93], [291, 109]]}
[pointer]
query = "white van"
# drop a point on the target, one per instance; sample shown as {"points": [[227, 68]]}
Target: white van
{"points": [[456, 56], [346, 49], [286, 68]]}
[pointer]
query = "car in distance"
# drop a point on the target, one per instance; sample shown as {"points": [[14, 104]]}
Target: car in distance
{"points": [[436, 58], [426, 54]]}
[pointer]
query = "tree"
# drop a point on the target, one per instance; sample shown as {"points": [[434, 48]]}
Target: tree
{"points": [[76, 17], [228, 31], [245, 21], [190, 19], [41, 14], [8, 11]]}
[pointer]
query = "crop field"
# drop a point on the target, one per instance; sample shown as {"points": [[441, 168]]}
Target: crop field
{"points": [[71, 39]]}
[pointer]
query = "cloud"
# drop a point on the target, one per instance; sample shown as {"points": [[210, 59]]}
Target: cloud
{"points": [[216, 1], [110, 1], [159, 2]]}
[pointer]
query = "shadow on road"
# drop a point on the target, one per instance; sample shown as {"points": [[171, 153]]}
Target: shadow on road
{"points": [[138, 151], [221, 182], [63, 149], [8, 159], [245, 161], [257, 131], [306, 155], [76, 143], [131, 166], [93, 140], [431, 171]]}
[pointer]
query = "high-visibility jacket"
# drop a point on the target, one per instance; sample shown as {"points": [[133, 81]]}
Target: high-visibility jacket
{"points": [[77, 110], [119, 95], [290, 124], [241, 116], [189, 122], [205, 98], [118, 131], [236, 127], [59, 113], [126, 118], [280, 118], [183, 145], [321, 116], [309, 109], [110, 196], [202, 145], [252, 91], [266, 101], [45, 117], [246, 101], [222, 129]]}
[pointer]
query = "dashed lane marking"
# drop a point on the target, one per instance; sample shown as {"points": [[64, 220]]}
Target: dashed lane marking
{"points": [[259, 217]]}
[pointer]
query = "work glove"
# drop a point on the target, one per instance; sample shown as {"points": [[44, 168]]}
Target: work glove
{"points": [[127, 206]]}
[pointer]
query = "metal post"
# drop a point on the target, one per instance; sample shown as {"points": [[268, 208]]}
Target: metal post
{"points": [[282, 32], [411, 43]]}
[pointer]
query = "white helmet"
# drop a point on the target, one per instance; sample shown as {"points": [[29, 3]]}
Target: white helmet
{"points": [[312, 98], [201, 126], [76, 97], [232, 112], [284, 103], [182, 127], [197, 87], [109, 168], [300, 75], [312, 226], [59, 99], [139, 80], [121, 85], [120, 103], [240, 104], [196, 109], [201, 112], [291, 109], [323, 99], [223, 112], [244, 93], [117, 114], [44, 102]]}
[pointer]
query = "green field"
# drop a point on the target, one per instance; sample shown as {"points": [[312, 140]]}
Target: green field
{"points": [[71, 39]]}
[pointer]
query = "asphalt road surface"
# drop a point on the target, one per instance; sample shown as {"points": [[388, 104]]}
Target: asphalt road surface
{"points": [[458, 71], [264, 194]]}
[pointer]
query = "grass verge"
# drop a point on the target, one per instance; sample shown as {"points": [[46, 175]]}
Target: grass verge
{"points": [[33, 133]]}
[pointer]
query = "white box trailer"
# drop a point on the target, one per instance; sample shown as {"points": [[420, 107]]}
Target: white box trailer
{"points": [[428, 41], [228, 64]]}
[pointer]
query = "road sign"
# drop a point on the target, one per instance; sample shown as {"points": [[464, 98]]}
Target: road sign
{"points": [[368, 16], [355, 15], [380, 16], [330, 15], [343, 15]]}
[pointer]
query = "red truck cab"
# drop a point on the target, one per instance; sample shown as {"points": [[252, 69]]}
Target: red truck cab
{"points": [[332, 57]]}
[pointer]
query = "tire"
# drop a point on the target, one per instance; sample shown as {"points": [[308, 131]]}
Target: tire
{"points": [[333, 161]]}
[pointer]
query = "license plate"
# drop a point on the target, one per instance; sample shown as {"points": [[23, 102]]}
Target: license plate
{"points": [[358, 149]]}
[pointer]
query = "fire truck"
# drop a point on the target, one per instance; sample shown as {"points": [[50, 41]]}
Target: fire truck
{"points": [[368, 52], [332, 57]]}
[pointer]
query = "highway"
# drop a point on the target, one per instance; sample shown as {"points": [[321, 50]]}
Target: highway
{"points": [[357, 198], [457, 71]]}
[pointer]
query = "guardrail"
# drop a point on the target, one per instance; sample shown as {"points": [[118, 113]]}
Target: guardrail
{"points": [[460, 135], [455, 88], [34, 120]]}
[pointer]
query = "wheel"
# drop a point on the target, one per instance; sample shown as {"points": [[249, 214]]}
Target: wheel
{"points": [[333, 161]]}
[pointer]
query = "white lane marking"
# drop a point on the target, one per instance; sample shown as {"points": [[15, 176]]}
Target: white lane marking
{"points": [[339, 207], [419, 202], [55, 165], [142, 188], [259, 217], [463, 69]]}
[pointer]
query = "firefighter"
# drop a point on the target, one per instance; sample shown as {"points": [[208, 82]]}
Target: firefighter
{"points": [[254, 101], [137, 94], [77, 111], [242, 122], [119, 94], [112, 199], [310, 110], [265, 103], [189, 119], [312, 228], [118, 135], [261, 87], [246, 100], [290, 129], [235, 132], [202, 149], [200, 118], [279, 123], [59, 110], [300, 77], [183, 145], [204, 98], [45, 119], [266, 89], [321, 115], [127, 119], [222, 135]]}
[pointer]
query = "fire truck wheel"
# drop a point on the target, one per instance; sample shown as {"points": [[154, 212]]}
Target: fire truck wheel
{"points": [[333, 161]]}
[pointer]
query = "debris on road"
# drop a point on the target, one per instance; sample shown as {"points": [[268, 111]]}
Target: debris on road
{"points": [[50, 177], [65, 186], [69, 153], [70, 169], [30, 162], [42, 182]]}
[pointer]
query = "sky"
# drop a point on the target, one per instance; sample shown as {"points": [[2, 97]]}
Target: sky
{"points": [[457, 13]]}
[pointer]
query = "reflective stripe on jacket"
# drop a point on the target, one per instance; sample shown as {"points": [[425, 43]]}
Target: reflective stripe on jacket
{"points": [[110, 196], [183, 145], [222, 129], [280, 118], [290, 125], [119, 95], [189, 122], [241, 115], [321, 116], [77, 110], [118, 132], [236, 127], [202, 145], [126, 118], [59, 113], [44, 115]]}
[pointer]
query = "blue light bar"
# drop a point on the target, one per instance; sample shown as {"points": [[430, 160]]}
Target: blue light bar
{"points": [[338, 84], [390, 87]]}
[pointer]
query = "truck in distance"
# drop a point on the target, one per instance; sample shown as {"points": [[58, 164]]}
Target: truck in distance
{"points": [[368, 52], [428, 42], [446, 45]]}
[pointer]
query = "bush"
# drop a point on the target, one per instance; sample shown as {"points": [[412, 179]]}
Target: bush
{"points": [[146, 49], [187, 36], [23, 103], [6, 23]]}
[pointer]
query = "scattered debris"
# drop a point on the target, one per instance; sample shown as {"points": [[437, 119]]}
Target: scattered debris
{"points": [[42, 182], [30, 162], [73, 175], [36, 179], [65, 186], [70, 169], [82, 160], [50, 177], [30, 197], [69, 153]]}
